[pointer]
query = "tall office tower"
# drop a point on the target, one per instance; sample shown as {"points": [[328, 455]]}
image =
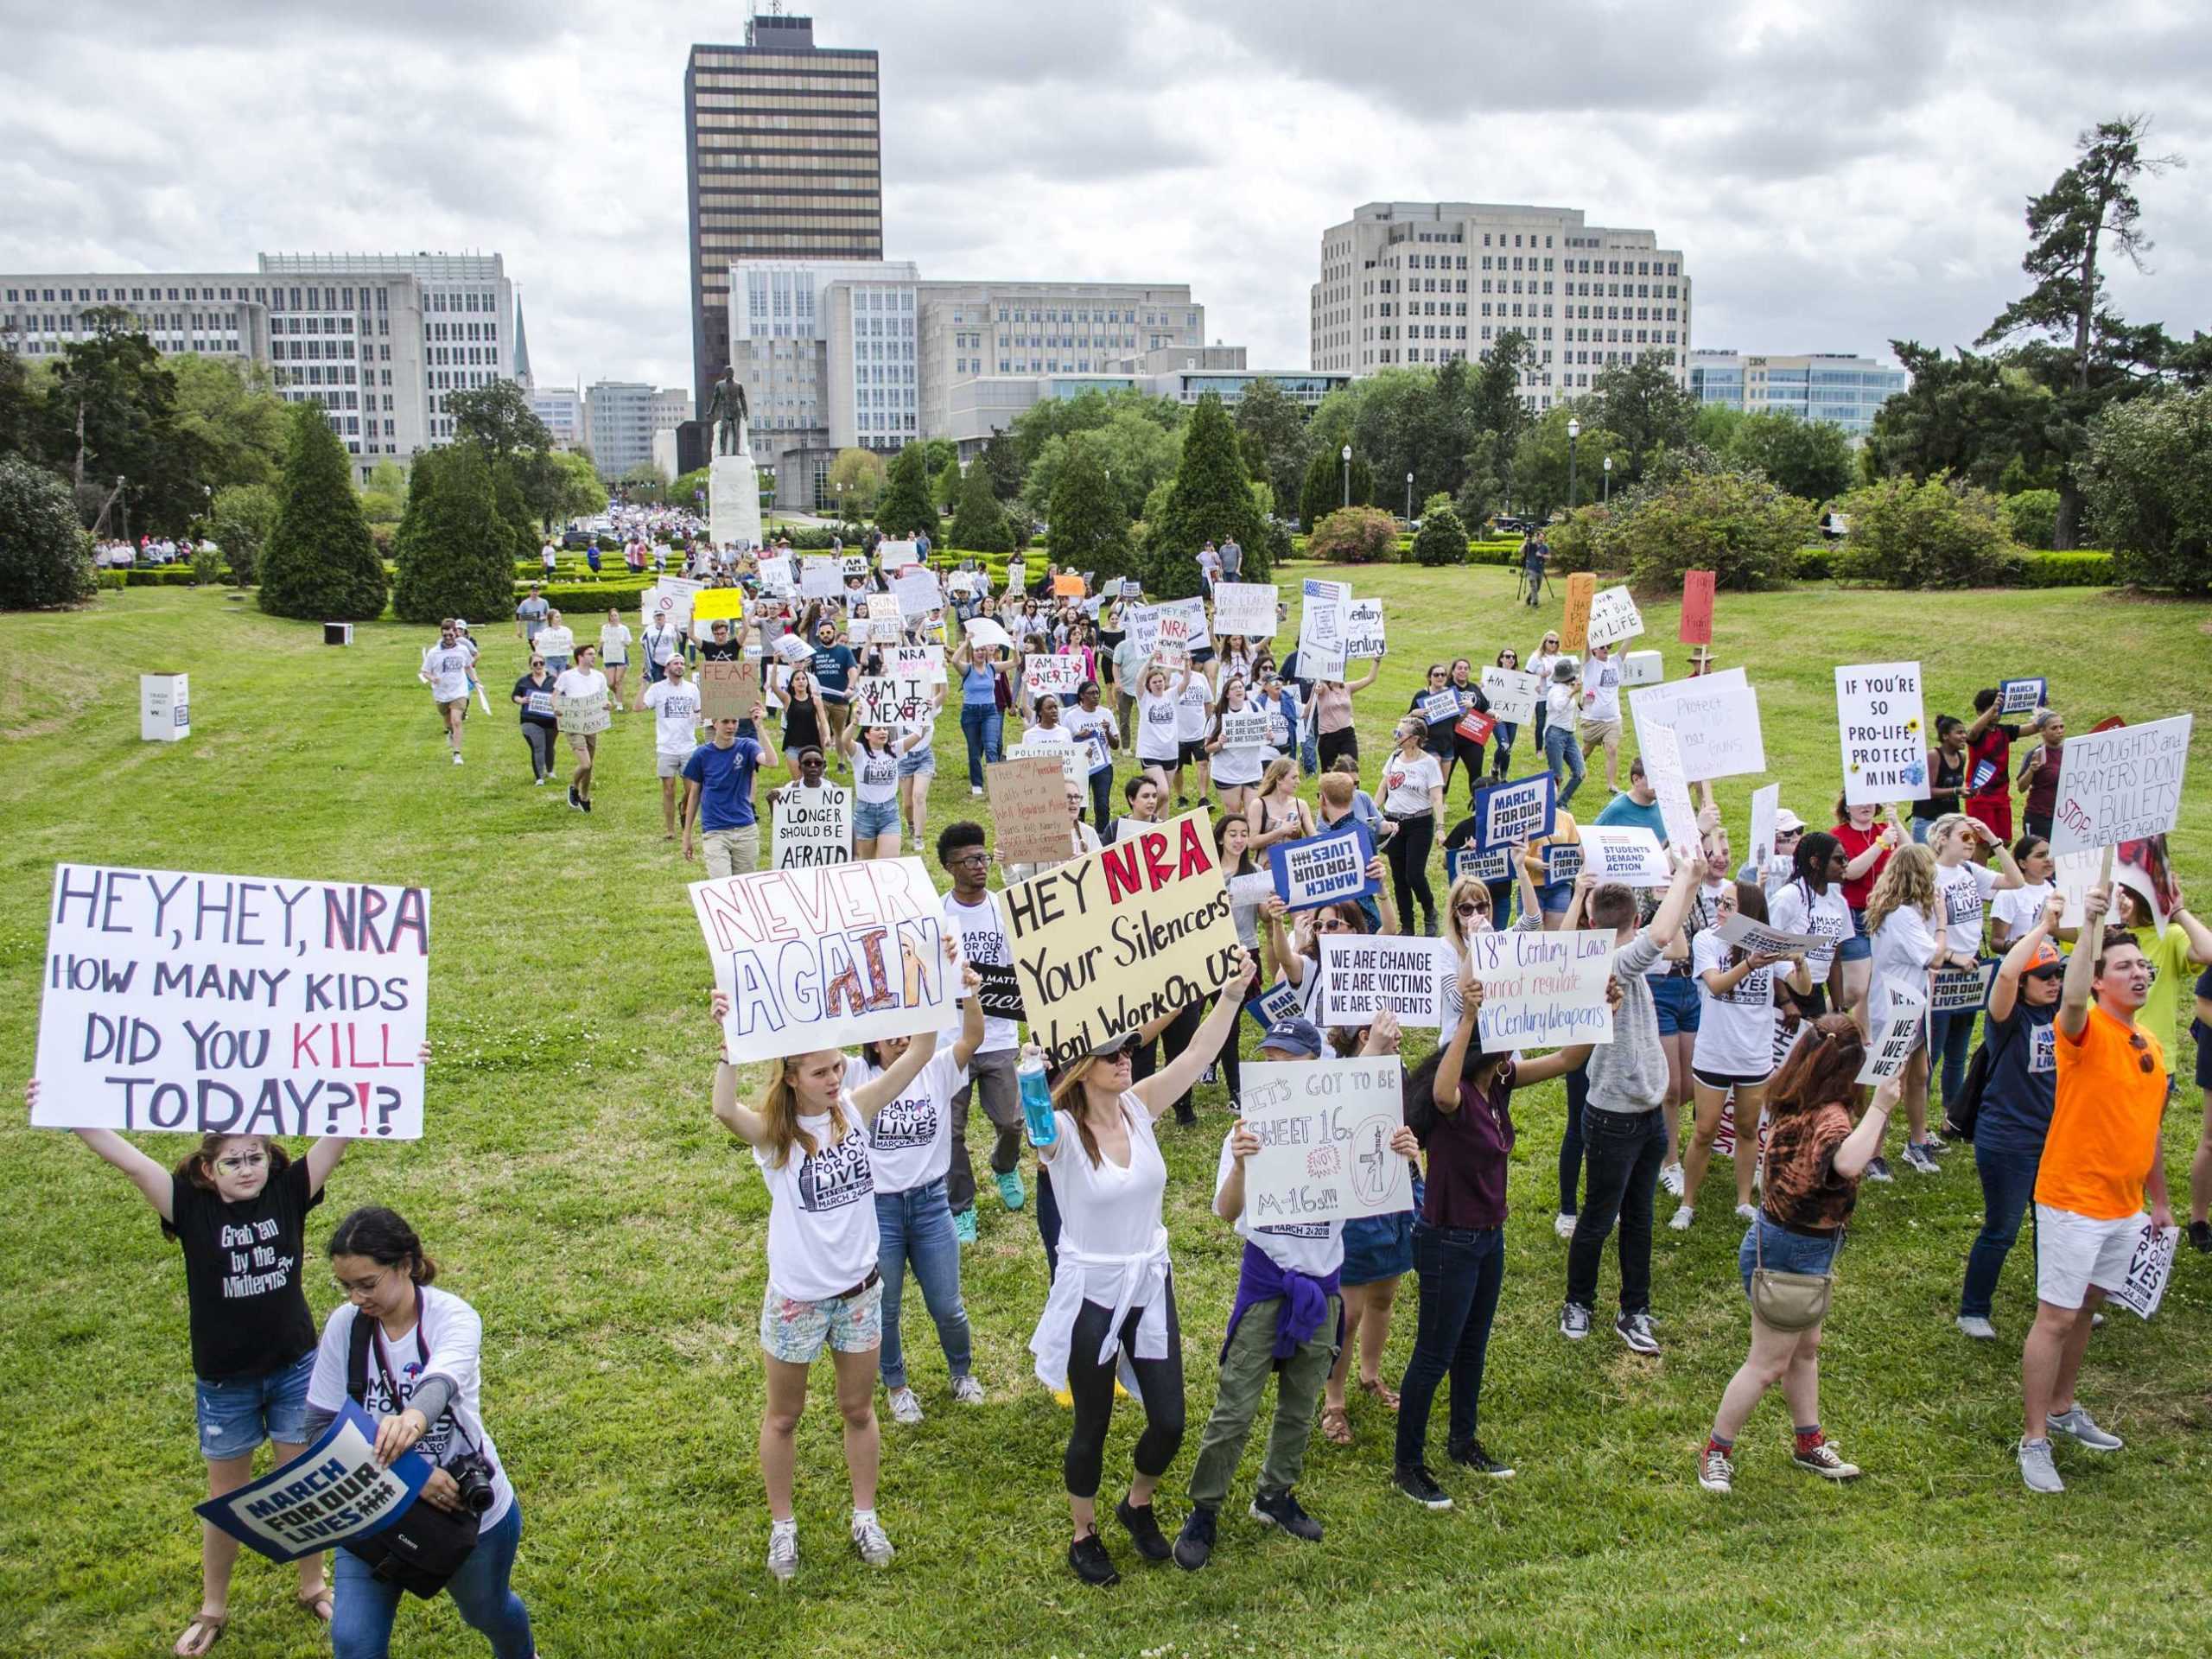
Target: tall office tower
{"points": [[784, 160]]}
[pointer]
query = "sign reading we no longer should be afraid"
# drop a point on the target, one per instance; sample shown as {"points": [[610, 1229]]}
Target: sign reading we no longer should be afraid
{"points": [[228, 1004]]}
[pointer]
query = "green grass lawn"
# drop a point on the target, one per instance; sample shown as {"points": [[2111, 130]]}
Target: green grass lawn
{"points": [[575, 1190]]}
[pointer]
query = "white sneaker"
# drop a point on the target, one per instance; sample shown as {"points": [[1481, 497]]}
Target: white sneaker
{"points": [[782, 1548], [1563, 1225], [2038, 1469], [1744, 1212], [1670, 1177], [1972, 1324], [905, 1408], [2076, 1426], [972, 790], [1680, 1221], [457, 757], [1827, 1462], [872, 1543], [967, 1390]]}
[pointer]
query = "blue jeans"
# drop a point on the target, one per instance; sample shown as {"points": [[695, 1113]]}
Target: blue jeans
{"points": [[1309, 753], [362, 1608], [915, 1227], [1460, 1270], [1570, 1142], [1563, 751], [2008, 1183], [980, 723], [1950, 1044], [1101, 799], [1785, 1251], [236, 1415]]}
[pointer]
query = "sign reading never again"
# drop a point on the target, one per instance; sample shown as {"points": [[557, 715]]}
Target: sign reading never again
{"points": [[233, 1005], [1119, 937]]}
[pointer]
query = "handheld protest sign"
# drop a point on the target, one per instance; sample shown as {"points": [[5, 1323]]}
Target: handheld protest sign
{"points": [[333, 1492], [2021, 697], [1490, 865], [1574, 631], [1715, 718], [812, 828], [1059, 675], [1364, 640], [729, 690], [1278, 1002], [828, 958], [1662, 767], [1475, 726], [1243, 729], [1697, 608], [1525, 810], [917, 591], [1067, 585], [1542, 990], [1324, 869], [1885, 740], [1512, 693], [585, 715], [1322, 628], [2119, 785], [1105, 942], [1364, 974], [233, 1005], [1766, 803], [1896, 1032], [1324, 1128], [1627, 853], [1436, 707], [1613, 617], [1028, 799], [727, 603], [1245, 607], [983, 633]]}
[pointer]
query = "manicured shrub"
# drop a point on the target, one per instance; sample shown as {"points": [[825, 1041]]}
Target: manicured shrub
{"points": [[1354, 535]]}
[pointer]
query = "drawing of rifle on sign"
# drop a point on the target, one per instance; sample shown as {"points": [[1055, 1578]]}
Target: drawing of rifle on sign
{"points": [[1110, 941]]}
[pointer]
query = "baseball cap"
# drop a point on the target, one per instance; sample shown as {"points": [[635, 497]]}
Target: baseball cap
{"points": [[1786, 822], [1112, 1046], [2046, 961], [1300, 1039]]}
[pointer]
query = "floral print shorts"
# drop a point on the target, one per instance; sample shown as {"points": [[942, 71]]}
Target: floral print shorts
{"points": [[794, 1331]]}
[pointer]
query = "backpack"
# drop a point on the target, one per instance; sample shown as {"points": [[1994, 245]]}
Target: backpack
{"points": [[1961, 1115], [424, 1546]]}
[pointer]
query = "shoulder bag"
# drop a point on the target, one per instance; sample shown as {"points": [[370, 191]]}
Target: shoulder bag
{"points": [[1788, 1301], [424, 1546]]}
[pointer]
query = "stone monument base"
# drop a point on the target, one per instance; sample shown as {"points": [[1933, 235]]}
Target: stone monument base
{"points": [[733, 500]]}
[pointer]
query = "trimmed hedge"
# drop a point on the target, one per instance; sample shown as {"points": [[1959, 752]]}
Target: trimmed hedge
{"points": [[2083, 567], [171, 575], [594, 597]]}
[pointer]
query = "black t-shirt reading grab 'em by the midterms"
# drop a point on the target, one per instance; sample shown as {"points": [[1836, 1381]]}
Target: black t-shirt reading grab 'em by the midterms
{"points": [[242, 1270]]}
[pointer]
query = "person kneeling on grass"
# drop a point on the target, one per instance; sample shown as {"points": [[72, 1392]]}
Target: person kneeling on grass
{"points": [[1287, 1319], [808, 1133], [1815, 1158]]}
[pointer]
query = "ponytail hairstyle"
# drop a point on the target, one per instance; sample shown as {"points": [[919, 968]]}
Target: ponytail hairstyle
{"points": [[384, 1237], [1821, 1068], [198, 1168]]}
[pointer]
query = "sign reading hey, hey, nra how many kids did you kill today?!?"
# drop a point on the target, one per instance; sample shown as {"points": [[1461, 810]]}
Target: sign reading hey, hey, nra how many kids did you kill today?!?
{"points": [[2121, 784], [826, 958], [1324, 1128], [233, 1005], [1363, 973], [1878, 708], [1542, 990], [333, 1492], [1106, 942]]}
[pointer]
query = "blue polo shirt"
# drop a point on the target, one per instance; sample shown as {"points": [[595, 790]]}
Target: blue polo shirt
{"points": [[725, 780]]}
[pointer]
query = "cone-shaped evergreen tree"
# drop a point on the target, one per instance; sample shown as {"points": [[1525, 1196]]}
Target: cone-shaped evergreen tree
{"points": [[1090, 527], [455, 557], [980, 524], [320, 564], [1211, 500], [904, 510]]}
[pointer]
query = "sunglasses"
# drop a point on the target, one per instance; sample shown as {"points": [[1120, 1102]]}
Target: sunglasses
{"points": [[1470, 910], [2136, 1041]]}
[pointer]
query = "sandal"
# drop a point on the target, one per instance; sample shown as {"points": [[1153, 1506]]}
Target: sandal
{"points": [[317, 1603], [191, 1643], [1336, 1426], [1381, 1391]]}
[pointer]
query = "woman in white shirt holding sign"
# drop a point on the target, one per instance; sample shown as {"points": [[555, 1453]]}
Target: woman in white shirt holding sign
{"points": [[1112, 1298], [1236, 765], [874, 759], [1905, 922], [1734, 1052], [614, 655], [808, 1133], [1157, 693]]}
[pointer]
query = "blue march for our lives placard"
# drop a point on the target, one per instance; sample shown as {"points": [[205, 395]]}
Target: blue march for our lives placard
{"points": [[1507, 814], [1324, 869], [331, 1493]]}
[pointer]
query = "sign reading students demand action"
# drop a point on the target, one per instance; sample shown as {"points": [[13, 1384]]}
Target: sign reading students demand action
{"points": [[1106, 942], [233, 1005]]}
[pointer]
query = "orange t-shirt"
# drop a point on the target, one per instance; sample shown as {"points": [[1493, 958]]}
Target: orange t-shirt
{"points": [[2104, 1128]]}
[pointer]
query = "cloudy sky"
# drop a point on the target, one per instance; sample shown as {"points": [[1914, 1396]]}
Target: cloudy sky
{"points": [[1837, 175]]}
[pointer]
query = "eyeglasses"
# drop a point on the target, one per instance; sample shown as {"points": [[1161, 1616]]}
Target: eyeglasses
{"points": [[973, 855], [242, 1163]]}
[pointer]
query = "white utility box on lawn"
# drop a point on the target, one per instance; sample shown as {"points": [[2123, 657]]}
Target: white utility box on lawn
{"points": [[164, 706], [1643, 668], [338, 633]]}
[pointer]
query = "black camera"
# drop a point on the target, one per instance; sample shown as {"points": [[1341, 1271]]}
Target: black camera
{"points": [[472, 1474]]}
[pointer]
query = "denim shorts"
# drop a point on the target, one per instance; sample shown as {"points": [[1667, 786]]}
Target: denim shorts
{"points": [[919, 763], [1675, 999], [794, 1331], [1858, 947], [238, 1414], [1380, 1247], [1554, 897], [2202, 1034], [1786, 1252], [871, 819]]}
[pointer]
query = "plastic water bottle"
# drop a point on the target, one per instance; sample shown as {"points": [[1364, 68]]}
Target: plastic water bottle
{"points": [[1036, 1098]]}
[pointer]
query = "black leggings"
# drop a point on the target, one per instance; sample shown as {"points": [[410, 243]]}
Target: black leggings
{"points": [[1173, 1039], [1407, 852], [1092, 1386], [540, 739], [1570, 1145], [1469, 755], [1331, 744]]}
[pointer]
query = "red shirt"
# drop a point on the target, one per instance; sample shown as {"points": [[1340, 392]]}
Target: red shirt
{"points": [[1988, 758], [1856, 842]]}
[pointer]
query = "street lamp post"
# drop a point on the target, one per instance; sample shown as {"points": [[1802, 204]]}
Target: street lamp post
{"points": [[1573, 432], [1409, 498], [1345, 456], [1609, 479]]}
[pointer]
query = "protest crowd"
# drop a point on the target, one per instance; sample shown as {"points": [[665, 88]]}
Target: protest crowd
{"points": [[1187, 835]]}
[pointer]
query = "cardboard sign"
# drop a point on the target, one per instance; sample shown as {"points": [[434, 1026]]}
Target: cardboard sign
{"points": [[1542, 990], [1324, 1128], [1492, 866], [1475, 726], [583, 716], [1512, 693], [1896, 1032], [1438, 707], [983, 633], [917, 591], [1663, 768], [1279, 1001], [1245, 607], [1885, 741], [728, 603], [1363, 973], [1766, 803], [1961, 990], [729, 690], [828, 958], [1524, 809], [1029, 804], [1574, 631], [1613, 617], [1697, 608], [1627, 853], [882, 700], [1322, 628], [812, 828], [1073, 760], [1067, 585], [1056, 674], [1755, 937], [2121, 784], [236, 1005], [1363, 635], [2148, 1269], [1324, 869], [820, 577], [333, 1492], [1716, 723], [2021, 697], [1106, 942]]}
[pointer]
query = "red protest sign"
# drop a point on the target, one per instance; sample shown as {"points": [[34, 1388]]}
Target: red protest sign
{"points": [[1697, 608], [1475, 726]]}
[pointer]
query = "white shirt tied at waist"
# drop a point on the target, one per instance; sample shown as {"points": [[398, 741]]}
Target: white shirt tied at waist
{"points": [[1120, 1282]]}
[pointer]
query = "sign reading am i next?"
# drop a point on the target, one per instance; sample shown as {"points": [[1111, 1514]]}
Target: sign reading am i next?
{"points": [[233, 1005]]}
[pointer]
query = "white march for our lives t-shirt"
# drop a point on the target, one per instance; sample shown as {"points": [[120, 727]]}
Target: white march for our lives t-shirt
{"points": [[1315, 1249], [448, 667], [1963, 900], [821, 1236], [675, 716], [910, 1143], [452, 1336], [982, 943]]}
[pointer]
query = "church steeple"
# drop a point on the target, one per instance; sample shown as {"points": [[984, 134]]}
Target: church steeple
{"points": [[522, 350]]}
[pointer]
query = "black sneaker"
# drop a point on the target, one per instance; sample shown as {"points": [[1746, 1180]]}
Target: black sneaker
{"points": [[1144, 1530], [1194, 1545], [572, 801], [584, 801], [1091, 1562], [1472, 1457], [1412, 1479], [1281, 1510], [2200, 1235]]}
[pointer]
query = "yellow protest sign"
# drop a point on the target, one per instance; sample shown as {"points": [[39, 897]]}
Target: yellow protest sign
{"points": [[711, 602]]}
